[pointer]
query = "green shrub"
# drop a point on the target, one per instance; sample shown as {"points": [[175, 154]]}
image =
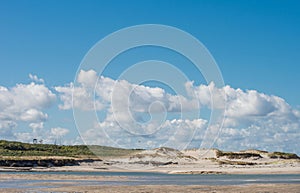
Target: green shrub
{"points": [[239, 155], [11, 148], [282, 155]]}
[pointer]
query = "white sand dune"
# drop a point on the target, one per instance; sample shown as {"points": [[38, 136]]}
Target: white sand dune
{"points": [[194, 161]]}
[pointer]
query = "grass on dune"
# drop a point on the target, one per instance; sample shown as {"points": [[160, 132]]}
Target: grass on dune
{"points": [[12, 148]]}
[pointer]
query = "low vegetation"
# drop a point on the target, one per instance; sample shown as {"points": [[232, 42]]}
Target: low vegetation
{"points": [[239, 155], [16, 149], [240, 163], [282, 155], [38, 162], [104, 151]]}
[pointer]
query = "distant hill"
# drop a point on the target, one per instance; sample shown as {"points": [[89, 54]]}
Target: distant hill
{"points": [[12, 148]]}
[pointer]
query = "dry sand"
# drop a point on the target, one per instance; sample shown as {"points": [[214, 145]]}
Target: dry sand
{"points": [[191, 161]]}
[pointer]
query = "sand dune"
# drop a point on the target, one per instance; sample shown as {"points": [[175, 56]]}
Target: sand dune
{"points": [[195, 161], [200, 161]]}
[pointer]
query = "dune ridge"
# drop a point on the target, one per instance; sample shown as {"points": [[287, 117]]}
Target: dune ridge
{"points": [[163, 159]]}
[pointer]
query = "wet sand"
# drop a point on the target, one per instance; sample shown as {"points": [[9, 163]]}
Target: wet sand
{"points": [[49, 176], [259, 188], [188, 189], [59, 185]]}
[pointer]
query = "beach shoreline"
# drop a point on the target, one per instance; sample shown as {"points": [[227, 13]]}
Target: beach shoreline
{"points": [[134, 172], [187, 169], [65, 182], [291, 188], [74, 187], [87, 177]]}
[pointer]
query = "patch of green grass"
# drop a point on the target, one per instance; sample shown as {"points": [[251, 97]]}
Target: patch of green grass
{"points": [[104, 151], [11, 148]]}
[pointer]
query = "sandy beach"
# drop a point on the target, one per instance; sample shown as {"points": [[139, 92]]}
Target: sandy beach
{"points": [[62, 186], [174, 189], [291, 188], [71, 185], [161, 160]]}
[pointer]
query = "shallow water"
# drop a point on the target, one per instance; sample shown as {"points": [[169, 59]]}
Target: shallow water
{"points": [[146, 178]]}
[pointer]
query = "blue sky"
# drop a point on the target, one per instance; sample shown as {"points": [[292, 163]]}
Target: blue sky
{"points": [[255, 43], [256, 39]]}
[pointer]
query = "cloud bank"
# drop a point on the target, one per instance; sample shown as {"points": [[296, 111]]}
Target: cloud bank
{"points": [[252, 119], [139, 116]]}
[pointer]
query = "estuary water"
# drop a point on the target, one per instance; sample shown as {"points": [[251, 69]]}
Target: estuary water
{"points": [[147, 178]]}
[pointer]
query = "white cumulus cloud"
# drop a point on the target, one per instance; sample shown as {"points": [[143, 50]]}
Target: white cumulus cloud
{"points": [[24, 103], [252, 119]]}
